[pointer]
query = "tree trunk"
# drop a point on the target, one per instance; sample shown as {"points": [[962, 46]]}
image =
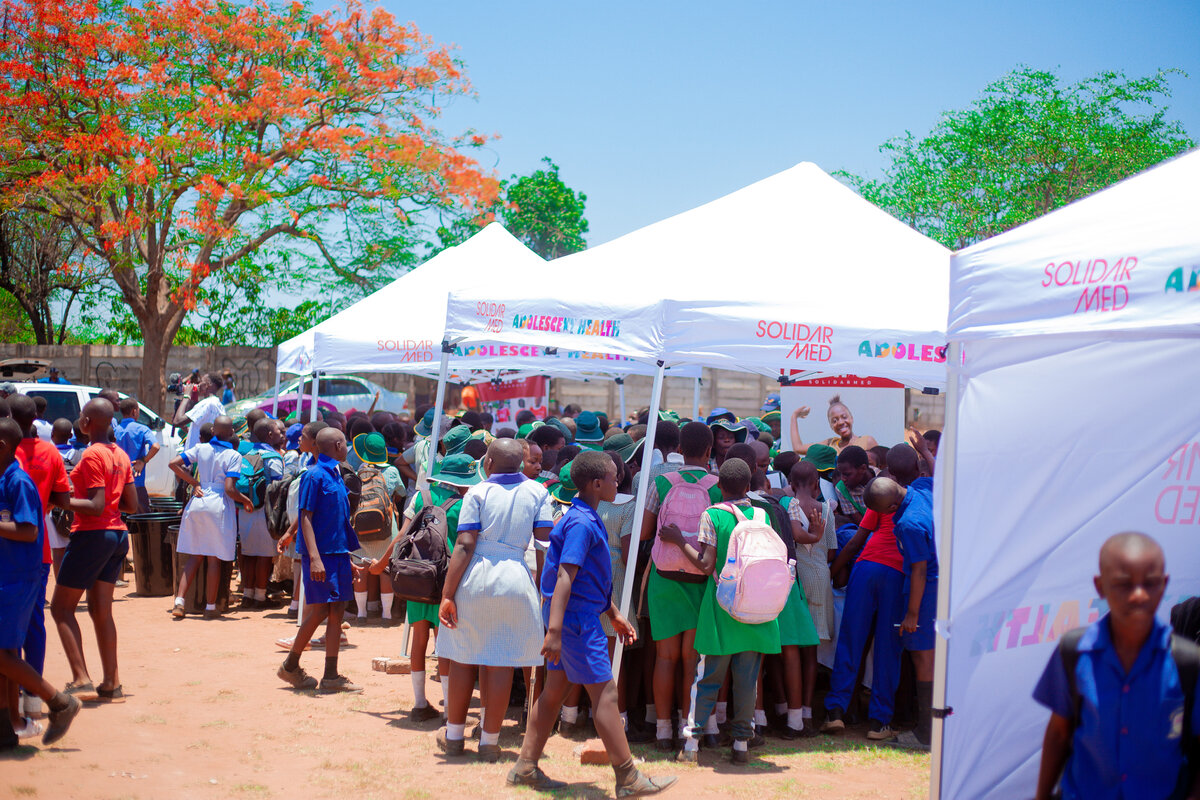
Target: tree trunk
{"points": [[158, 334]]}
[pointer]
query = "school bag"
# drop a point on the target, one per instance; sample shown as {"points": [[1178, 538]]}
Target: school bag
{"points": [[420, 559], [372, 518], [756, 578], [1187, 661], [683, 506], [253, 480], [276, 504]]}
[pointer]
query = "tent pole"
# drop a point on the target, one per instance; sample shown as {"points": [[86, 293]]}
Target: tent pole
{"points": [[946, 466], [439, 407], [316, 393], [696, 398], [639, 509], [621, 399], [275, 402]]}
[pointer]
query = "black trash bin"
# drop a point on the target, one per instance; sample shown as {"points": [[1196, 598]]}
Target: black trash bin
{"points": [[194, 599], [153, 553], [166, 505]]}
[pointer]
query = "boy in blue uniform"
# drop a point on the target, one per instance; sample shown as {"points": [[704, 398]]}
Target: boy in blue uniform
{"points": [[22, 528], [912, 510], [139, 444], [325, 544], [576, 589], [1120, 733]]}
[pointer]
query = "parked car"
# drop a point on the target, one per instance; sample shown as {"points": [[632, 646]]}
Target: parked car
{"points": [[344, 392], [67, 400]]}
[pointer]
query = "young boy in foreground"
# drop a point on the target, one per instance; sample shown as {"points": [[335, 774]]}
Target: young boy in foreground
{"points": [[576, 588]]}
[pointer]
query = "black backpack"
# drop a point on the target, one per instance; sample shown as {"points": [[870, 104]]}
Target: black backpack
{"points": [[420, 559], [276, 506]]}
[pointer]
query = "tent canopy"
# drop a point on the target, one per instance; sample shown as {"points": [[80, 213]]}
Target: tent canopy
{"points": [[794, 272], [1071, 419]]}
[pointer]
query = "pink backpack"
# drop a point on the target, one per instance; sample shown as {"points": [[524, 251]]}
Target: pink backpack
{"points": [[756, 579], [683, 506]]}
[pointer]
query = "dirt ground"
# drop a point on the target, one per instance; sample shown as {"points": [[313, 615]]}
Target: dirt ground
{"points": [[207, 718]]}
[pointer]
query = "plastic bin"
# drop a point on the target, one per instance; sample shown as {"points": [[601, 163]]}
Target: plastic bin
{"points": [[193, 601], [153, 553]]}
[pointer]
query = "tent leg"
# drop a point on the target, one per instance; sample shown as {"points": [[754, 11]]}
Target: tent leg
{"points": [[621, 398], [696, 398], [275, 402], [439, 406], [946, 466], [316, 393], [639, 510]]}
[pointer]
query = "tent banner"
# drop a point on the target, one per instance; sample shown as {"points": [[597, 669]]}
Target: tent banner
{"points": [[1042, 478], [506, 399], [874, 411]]}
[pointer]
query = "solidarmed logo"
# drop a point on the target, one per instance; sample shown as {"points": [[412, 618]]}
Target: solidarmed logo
{"points": [[1105, 285]]}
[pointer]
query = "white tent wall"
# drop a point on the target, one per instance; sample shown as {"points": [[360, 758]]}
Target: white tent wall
{"points": [[1076, 419]]}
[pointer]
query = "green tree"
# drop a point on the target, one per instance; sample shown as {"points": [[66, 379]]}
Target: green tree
{"points": [[1027, 146]]}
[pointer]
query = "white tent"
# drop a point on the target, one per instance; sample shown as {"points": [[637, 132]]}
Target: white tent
{"points": [[792, 273], [1072, 416]]}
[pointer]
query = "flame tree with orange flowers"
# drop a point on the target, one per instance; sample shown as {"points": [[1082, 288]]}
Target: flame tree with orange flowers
{"points": [[177, 137]]}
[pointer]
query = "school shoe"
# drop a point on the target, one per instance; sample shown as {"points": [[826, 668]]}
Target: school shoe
{"points": [[908, 741], [880, 732], [639, 735], [60, 720], [297, 678], [82, 690], [788, 733], [488, 753], [756, 741], [454, 747], [686, 756], [741, 756], [665, 745], [576, 731], [534, 779], [29, 728], [339, 684], [211, 614], [113, 695], [641, 785], [834, 723], [424, 713], [293, 613], [178, 612]]}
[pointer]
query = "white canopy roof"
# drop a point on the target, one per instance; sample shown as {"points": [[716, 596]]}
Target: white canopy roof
{"points": [[793, 273], [400, 328]]}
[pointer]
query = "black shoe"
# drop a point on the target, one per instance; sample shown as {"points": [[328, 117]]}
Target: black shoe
{"points": [[788, 733], [741, 756], [834, 723], [639, 735], [710, 741], [575, 731], [536, 779], [756, 742], [424, 713], [665, 745]]}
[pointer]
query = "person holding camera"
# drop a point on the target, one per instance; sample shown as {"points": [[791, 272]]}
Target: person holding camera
{"points": [[200, 405]]}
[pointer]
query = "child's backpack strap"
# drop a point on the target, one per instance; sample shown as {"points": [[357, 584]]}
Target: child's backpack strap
{"points": [[1068, 650], [1187, 662]]}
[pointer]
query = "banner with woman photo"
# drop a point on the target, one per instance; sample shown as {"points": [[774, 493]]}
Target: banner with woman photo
{"points": [[840, 410]]}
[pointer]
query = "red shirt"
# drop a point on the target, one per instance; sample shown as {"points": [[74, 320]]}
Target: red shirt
{"points": [[881, 546], [44, 464], [103, 465]]}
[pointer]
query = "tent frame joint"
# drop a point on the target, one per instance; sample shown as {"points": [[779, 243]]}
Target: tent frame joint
{"points": [[941, 713]]}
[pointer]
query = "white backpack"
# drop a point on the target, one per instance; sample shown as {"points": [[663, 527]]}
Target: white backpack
{"points": [[756, 579]]}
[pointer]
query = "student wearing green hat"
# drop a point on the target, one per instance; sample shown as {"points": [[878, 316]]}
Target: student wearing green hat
{"points": [[726, 434], [588, 433], [371, 450], [451, 479], [824, 458]]}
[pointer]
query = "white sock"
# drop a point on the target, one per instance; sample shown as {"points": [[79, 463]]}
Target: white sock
{"points": [[760, 718], [455, 731], [360, 599], [178, 601], [260, 594], [211, 607], [294, 605], [570, 714], [691, 744], [248, 594], [683, 729], [721, 712], [651, 713], [711, 725], [625, 720], [780, 709], [418, 682], [741, 745], [386, 600], [795, 719], [806, 712], [489, 738], [662, 729]]}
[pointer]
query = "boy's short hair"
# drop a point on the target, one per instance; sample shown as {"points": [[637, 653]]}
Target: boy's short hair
{"points": [[206, 432], [933, 436], [486, 418], [785, 461], [475, 448], [588, 466], [744, 452], [41, 403], [525, 417], [734, 476], [758, 481], [313, 428], [262, 429], [565, 454], [215, 380], [803, 472], [10, 433], [547, 436], [571, 409], [853, 455], [666, 436], [61, 429], [880, 453], [506, 433], [22, 410], [637, 432], [472, 420], [766, 439], [128, 407], [695, 439]]}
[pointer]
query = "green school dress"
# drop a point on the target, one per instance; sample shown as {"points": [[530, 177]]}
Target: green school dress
{"points": [[428, 612], [717, 633], [674, 605], [796, 626]]}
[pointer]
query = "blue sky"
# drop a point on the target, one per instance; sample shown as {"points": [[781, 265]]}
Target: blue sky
{"points": [[652, 108]]}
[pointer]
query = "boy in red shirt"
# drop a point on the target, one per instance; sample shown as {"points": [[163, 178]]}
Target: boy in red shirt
{"points": [[102, 489]]}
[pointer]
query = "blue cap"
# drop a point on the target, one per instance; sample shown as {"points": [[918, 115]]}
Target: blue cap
{"points": [[293, 435], [772, 403]]}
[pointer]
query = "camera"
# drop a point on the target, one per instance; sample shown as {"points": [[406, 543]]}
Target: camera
{"points": [[175, 386]]}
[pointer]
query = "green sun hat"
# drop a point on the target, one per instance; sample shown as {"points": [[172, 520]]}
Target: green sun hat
{"points": [[484, 436], [456, 470], [425, 426], [564, 491], [738, 429], [668, 416], [770, 416], [562, 427], [758, 423], [623, 444], [370, 448], [456, 439], [587, 428], [821, 456]]}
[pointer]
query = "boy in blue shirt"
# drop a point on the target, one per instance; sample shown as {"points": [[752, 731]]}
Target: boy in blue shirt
{"points": [[912, 510], [140, 444], [325, 544], [576, 588], [1120, 733], [22, 528]]}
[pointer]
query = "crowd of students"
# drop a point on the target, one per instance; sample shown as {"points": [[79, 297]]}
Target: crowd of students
{"points": [[754, 566]]}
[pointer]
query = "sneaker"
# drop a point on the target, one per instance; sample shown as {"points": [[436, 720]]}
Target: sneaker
{"points": [[880, 732], [424, 713], [339, 684], [297, 678], [29, 728], [178, 612], [535, 779], [833, 721], [640, 785], [60, 720], [908, 741], [454, 747], [488, 753]]}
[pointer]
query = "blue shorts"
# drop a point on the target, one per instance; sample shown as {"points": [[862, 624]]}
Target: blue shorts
{"points": [[338, 586], [924, 637], [584, 655], [93, 556], [17, 601]]}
